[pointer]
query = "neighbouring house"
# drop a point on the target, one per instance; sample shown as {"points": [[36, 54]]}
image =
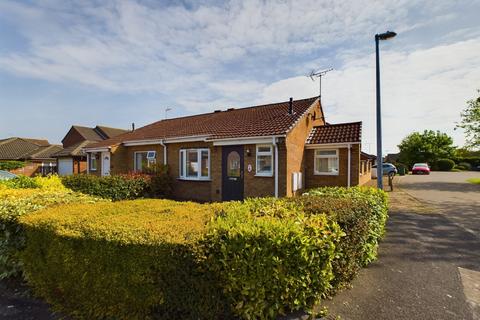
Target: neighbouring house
{"points": [[392, 157], [277, 149], [71, 159], [36, 153]]}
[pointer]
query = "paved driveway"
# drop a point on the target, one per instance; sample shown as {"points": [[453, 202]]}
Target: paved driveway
{"points": [[429, 263]]}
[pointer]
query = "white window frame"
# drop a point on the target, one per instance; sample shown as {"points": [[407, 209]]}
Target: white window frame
{"points": [[92, 156], [183, 164], [317, 156], [264, 153], [149, 161]]}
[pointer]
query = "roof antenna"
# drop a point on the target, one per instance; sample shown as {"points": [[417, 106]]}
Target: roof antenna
{"points": [[319, 75], [166, 110]]}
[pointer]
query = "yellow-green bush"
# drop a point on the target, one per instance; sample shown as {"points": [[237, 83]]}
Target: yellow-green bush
{"points": [[15, 203], [123, 260], [51, 182], [273, 262], [180, 260]]}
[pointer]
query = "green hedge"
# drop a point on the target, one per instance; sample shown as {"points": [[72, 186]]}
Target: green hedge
{"points": [[122, 260], [362, 214], [272, 262], [122, 187], [15, 203], [11, 165], [165, 259], [444, 164]]}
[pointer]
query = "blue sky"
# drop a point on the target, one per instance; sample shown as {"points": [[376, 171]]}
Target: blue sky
{"points": [[117, 62]]}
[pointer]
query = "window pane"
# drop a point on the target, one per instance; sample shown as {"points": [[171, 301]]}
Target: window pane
{"points": [[326, 152], [182, 168], [233, 164], [140, 161], [327, 165], [264, 149], [264, 164], [205, 163], [192, 163]]}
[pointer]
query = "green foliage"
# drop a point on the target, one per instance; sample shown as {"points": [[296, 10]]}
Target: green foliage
{"points": [[474, 180], [270, 262], [122, 260], [51, 182], [116, 187], [15, 203], [471, 122], [426, 147], [11, 165], [180, 260], [444, 164], [361, 213], [469, 162], [130, 186]]}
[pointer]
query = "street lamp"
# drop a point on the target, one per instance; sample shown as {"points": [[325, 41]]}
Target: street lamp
{"points": [[382, 36]]}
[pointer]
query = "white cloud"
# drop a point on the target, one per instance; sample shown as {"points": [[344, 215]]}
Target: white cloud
{"points": [[424, 89]]}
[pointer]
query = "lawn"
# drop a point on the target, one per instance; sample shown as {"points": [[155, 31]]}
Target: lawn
{"points": [[474, 180]]}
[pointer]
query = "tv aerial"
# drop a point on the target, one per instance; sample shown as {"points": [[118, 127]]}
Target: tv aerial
{"points": [[319, 74]]}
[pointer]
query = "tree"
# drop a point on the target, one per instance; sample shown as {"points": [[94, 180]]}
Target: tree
{"points": [[471, 122], [428, 147]]}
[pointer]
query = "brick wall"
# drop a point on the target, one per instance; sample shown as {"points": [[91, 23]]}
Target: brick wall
{"points": [[312, 180], [71, 138], [295, 144]]}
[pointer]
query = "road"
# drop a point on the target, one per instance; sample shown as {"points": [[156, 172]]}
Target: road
{"points": [[429, 262]]}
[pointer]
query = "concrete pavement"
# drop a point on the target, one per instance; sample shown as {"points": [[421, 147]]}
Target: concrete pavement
{"points": [[429, 263]]}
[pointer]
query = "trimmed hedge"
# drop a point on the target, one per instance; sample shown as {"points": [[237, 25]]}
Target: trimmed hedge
{"points": [[15, 203], [165, 259], [444, 164], [123, 260], [11, 165], [51, 182], [270, 262], [123, 187], [362, 213]]}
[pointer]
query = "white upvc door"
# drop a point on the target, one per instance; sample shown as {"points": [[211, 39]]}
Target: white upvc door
{"points": [[105, 163]]}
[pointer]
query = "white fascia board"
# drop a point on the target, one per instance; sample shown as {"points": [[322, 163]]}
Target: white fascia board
{"points": [[104, 149], [329, 145], [147, 142], [187, 139], [142, 142], [239, 141]]}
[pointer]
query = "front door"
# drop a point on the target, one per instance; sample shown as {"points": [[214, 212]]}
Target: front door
{"points": [[232, 173], [105, 163]]}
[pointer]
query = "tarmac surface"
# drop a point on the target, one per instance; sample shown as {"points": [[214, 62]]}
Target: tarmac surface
{"points": [[429, 262]]}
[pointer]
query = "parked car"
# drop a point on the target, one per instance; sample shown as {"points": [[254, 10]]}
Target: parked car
{"points": [[5, 175], [388, 170], [420, 168]]}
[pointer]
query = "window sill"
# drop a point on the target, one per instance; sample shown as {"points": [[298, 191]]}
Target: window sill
{"points": [[194, 179], [264, 175], [92, 169], [325, 174]]}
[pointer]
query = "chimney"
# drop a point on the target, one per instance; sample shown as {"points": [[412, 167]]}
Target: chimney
{"points": [[133, 126], [290, 106]]}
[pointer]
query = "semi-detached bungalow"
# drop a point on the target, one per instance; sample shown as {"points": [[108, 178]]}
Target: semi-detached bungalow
{"points": [[276, 149]]}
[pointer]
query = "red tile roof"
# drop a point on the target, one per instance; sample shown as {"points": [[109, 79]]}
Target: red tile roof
{"points": [[263, 120], [336, 133]]}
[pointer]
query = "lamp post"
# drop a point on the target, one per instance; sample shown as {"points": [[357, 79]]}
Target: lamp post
{"points": [[382, 36]]}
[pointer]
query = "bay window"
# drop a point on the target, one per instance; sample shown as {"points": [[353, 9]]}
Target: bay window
{"points": [[194, 164], [326, 162]]}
